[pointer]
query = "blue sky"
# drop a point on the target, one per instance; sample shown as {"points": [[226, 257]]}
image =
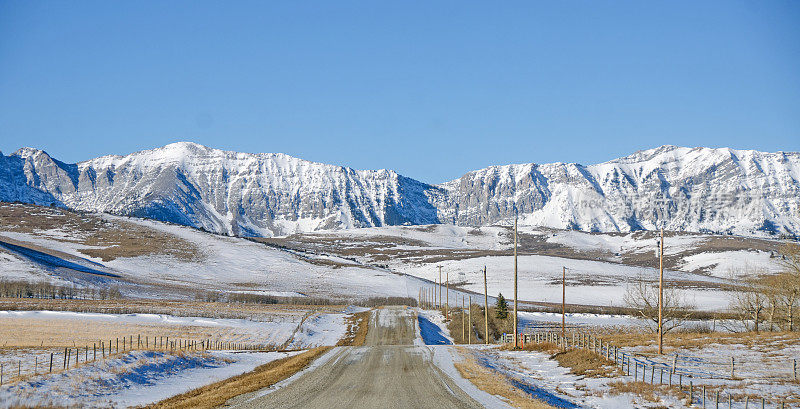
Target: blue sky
{"points": [[431, 89]]}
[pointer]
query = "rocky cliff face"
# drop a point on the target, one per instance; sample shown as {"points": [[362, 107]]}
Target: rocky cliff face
{"points": [[226, 192], [683, 189], [718, 190]]}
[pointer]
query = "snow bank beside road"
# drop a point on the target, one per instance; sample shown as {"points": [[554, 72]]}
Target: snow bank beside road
{"points": [[133, 379], [431, 328]]}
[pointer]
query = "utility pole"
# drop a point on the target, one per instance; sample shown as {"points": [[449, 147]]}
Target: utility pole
{"points": [[516, 331], [440, 286], [469, 315], [661, 295], [463, 320], [563, 303], [485, 307], [447, 295]]}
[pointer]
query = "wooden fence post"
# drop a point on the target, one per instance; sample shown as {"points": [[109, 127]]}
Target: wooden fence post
{"points": [[733, 368], [674, 363], [51, 362], [704, 397]]}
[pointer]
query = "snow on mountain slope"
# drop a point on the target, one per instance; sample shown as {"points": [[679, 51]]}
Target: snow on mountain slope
{"points": [[700, 189], [684, 189], [226, 192]]}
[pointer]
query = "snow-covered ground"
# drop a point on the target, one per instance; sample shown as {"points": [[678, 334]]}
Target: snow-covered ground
{"points": [[319, 330], [627, 243], [431, 328], [588, 282], [132, 379], [140, 377], [544, 379], [445, 236], [763, 367], [736, 264], [227, 264]]}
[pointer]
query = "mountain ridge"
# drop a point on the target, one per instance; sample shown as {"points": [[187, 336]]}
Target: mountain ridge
{"points": [[718, 190]]}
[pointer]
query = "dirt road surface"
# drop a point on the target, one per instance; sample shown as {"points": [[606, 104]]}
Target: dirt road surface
{"points": [[388, 372]]}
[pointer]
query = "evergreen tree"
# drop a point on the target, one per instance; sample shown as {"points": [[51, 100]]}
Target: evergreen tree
{"points": [[501, 309]]}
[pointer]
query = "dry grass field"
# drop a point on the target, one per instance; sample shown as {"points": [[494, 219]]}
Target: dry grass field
{"points": [[110, 239], [380, 249], [646, 342], [61, 333]]}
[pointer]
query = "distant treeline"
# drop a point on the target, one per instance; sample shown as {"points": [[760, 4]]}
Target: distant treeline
{"points": [[46, 290], [253, 298]]}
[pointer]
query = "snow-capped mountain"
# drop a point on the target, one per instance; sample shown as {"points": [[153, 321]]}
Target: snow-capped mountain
{"points": [[681, 189], [225, 192], [719, 190]]}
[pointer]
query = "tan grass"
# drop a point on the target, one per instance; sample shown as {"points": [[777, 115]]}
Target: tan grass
{"points": [[547, 347], [645, 390], [357, 328], [68, 332], [218, 393], [579, 361], [497, 384], [586, 363], [110, 238], [767, 341]]}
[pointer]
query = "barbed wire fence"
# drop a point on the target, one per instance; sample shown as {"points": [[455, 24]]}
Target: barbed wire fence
{"points": [[678, 371]]}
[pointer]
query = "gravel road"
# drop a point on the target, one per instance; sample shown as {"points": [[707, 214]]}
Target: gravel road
{"points": [[388, 372]]}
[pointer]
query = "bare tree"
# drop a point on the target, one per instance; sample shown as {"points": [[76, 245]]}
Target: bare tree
{"points": [[790, 280], [642, 295], [750, 300]]}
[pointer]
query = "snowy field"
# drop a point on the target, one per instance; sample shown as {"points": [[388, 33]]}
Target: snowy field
{"points": [[763, 365], [443, 236], [225, 264], [133, 379], [544, 379], [588, 282], [139, 377], [764, 368], [596, 274]]}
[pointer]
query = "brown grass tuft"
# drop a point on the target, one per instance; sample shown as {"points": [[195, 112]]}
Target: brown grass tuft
{"points": [[357, 328], [586, 363], [548, 347]]}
